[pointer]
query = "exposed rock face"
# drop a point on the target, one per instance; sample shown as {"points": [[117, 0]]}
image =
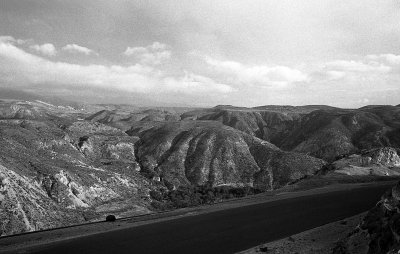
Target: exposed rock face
{"points": [[102, 143], [51, 176], [383, 223], [28, 205], [386, 156], [379, 161], [209, 153], [379, 233]]}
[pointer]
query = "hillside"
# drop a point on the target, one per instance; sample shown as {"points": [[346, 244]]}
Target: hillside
{"points": [[61, 165], [328, 134], [209, 153], [124, 120], [321, 131], [58, 169], [54, 175]]}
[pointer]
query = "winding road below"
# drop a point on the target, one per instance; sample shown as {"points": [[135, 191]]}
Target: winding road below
{"points": [[226, 231]]}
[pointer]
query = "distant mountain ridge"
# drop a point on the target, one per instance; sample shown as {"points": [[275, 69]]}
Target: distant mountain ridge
{"points": [[14, 94], [322, 131]]}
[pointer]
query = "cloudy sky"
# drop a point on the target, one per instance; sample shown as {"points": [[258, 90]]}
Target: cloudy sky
{"points": [[204, 52]]}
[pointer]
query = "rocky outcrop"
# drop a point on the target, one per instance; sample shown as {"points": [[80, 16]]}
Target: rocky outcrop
{"points": [[385, 156], [380, 161], [379, 232], [27, 205], [383, 223], [103, 145]]}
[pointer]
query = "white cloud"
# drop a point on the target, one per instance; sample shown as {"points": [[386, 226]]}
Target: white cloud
{"points": [[19, 67], [6, 38], [191, 82], [389, 58], [47, 49], [260, 75], [153, 54], [357, 66], [367, 68], [74, 48], [11, 39]]}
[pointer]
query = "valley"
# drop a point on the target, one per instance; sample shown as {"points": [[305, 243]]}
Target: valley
{"points": [[200, 127], [62, 165]]}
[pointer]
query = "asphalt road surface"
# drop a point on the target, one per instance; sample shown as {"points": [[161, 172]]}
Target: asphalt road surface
{"points": [[226, 231]]}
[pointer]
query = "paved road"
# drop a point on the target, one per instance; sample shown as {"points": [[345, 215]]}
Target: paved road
{"points": [[227, 231]]}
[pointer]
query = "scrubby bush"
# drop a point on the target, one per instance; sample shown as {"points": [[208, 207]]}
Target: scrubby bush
{"points": [[110, 218], [156, 195], [186, 196]]}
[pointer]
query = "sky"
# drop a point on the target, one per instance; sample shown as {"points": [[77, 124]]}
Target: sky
{"points": [[343, 53]]}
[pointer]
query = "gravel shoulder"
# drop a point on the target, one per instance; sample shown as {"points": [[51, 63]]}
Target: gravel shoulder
{"points": [[320, 240]]}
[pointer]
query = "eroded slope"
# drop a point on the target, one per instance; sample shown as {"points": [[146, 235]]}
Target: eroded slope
{"points": [[208, 152]]}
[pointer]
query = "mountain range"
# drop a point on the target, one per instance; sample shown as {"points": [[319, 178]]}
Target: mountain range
{"points": [[63, 164]]}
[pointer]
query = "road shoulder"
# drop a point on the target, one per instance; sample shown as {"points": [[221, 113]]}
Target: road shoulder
{"points": [[320, 240]]}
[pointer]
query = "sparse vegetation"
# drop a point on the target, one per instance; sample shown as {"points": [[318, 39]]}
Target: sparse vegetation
{"points": [[200, 195]]}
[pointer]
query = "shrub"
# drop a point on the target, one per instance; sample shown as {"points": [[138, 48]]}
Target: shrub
{"points": [[186, 196], [110, 218], [156, 195]]}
